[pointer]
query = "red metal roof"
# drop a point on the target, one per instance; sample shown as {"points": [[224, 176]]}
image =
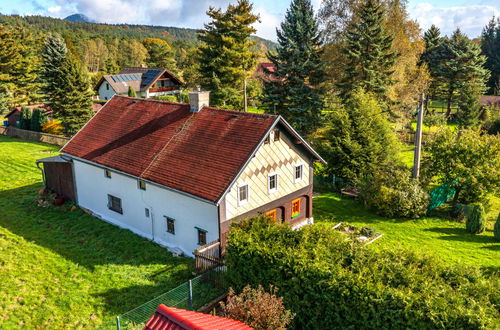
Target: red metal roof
{"points": [[163, 142], [177, 319]]}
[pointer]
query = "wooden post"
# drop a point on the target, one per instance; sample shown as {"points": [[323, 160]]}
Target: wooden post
{"points": [[418, 137], [245, 95]]}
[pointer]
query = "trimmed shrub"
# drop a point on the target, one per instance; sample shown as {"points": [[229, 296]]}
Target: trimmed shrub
{"points": [[496, 230], [329, 282], [476, 220], [367, 231], [391, 192], [257, 308], [170, 98], [131, 92]]}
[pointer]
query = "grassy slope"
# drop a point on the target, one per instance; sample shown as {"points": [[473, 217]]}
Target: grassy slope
{"points": [[444, 238], [63, 269]]}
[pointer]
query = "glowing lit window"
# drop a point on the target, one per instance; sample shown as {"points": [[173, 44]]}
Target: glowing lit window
{"points": [[296, 208], [271, 214]]}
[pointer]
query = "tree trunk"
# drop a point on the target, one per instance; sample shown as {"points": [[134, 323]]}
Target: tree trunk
{"points": [[448, 111]]}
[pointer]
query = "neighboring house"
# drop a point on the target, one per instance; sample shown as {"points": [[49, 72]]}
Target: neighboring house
{"points": [[490, 101], [265, 71], [14, 115], [146, 82], [180, 173], [181, 319]]}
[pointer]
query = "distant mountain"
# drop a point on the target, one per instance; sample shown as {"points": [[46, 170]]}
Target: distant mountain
{"points": [[79, 18]]}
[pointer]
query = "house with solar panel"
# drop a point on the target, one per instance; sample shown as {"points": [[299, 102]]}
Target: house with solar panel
{"points": [[181, 173], [146, 82]]}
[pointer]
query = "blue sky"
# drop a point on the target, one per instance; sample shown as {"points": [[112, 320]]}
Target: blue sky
{"points": [[469, 15]]}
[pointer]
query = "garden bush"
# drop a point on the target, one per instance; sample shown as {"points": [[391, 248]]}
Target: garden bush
{"points": [[391, 192], [496, 229], [330, 282], [170, 98], [476, 220], [53, 127], [257, 308]]}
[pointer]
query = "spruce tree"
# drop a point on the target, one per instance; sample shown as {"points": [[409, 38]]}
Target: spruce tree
{"points": [[226, 55], [469, 108], [294, 91], [73, 97], [54, 54], [368, 52], [36, 120], [490, 45], [432, 57]]}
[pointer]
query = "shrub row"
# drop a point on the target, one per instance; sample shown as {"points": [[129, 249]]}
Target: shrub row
{"points": [[331, 283]]}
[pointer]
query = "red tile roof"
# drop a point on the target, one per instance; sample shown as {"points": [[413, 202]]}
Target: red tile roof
{"points": [[163, 142], [177, 319]]}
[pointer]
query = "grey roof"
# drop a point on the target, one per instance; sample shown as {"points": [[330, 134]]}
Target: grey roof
{"points": [[53, 159], [140, 79]]}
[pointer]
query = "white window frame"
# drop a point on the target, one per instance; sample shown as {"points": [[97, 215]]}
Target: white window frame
{"points": [[295, 179], [243, 202], [272, 191]]}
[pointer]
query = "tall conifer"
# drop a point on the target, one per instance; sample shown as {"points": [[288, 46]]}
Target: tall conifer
{"points": [[226, 55], [368, 52], [294, 90], [54, 53], [490, 45]]}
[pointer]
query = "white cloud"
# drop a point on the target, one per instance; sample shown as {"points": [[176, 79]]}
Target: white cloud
{"points": [[54, 10], [469, 18], [266, 28]]}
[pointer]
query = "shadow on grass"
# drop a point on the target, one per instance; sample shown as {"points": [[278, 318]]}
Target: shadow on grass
{"points": [[460, 234], [76, 235]]}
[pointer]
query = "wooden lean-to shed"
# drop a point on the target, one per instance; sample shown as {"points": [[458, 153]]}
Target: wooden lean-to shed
{"points": [[58, 176]]}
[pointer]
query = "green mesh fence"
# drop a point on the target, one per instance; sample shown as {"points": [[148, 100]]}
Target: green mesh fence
{"points": [[441, 194], [190, 295]]}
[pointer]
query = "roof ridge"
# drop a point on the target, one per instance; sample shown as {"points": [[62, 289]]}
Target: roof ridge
{"points": [[249, 114], [152, 100]]}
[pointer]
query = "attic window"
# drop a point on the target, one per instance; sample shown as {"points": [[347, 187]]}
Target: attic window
{"points": [[107, 173], [276, 135], [107, 86], [242, 194], [142, 185], [272, 183]]}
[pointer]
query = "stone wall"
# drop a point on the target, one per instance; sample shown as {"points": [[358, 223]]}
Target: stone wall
{"points": [[33, 136]]}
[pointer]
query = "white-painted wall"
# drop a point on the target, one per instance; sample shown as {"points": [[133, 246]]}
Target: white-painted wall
{"points": [[105, 94], [92, 192]]}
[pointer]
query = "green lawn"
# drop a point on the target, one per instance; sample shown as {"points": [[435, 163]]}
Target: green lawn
{"points": [[446, 239], [66, 269]]}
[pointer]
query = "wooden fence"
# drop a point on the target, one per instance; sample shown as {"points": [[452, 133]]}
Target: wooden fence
{"points": [[208, 257], [33, 136]]}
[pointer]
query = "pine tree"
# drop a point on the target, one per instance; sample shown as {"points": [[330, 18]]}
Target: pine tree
{"points": [[25, 119], [54, 54], [295, 90], [226, 55], [160, 54], [131, 91], [460, 63], [18, 66], [368, 52], [490, 45], [73, 96]]}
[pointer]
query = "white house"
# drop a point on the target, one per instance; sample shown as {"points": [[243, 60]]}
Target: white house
{"points": [[146, 82], [180, 173]]}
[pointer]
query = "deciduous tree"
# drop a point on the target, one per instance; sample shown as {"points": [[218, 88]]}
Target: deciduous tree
{"points": [[160, 54]]}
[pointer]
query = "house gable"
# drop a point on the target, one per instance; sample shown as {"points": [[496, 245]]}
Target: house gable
{"points": [[280, 157]]}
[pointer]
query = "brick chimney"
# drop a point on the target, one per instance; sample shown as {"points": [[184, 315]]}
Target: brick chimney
{"points": [[198, 100]]}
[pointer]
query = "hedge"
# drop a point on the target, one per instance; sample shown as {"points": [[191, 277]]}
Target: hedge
{"points": [[333, 283]]}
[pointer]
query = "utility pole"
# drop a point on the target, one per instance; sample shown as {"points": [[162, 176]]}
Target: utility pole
{"points": [[418, 137], [245, 94]]}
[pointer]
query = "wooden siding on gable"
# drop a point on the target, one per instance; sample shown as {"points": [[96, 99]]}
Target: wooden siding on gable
{"points": [[279, 157]]}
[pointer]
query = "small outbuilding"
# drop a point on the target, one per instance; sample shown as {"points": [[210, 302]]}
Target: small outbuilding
{"points": [[57, 175]]}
